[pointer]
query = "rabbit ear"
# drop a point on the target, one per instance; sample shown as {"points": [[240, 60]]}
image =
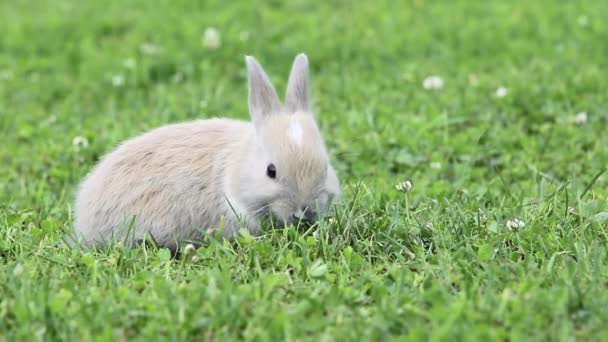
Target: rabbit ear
{"points": [[296, 97], [263, 99]]}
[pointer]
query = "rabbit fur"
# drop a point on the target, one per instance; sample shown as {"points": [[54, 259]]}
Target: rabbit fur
{"points": [[179, 181]]}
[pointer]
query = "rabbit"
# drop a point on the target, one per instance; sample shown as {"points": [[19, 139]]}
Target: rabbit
{"points": [[179, 181]]}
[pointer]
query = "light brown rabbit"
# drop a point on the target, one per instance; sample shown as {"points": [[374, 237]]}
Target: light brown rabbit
{"points": [[178, 181]]}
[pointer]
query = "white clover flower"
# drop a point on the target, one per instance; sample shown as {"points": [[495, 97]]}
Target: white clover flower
{"points": [[404, 187], [149, 49], [177, 77], [80, 142], [130, 63], [515, 224], [433, 82], [244, 36], [571, 210], [211, 38], [6, 74], [315, 234], [580, 118], [18, 270], [436, 165], [118, 80], [473, 79], [501, 91]]}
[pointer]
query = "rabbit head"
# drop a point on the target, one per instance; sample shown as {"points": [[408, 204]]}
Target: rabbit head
{"points": [[288, 172]]}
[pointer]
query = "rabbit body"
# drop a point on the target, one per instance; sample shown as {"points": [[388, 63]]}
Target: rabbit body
{"points": [[178, 181], [169, 182]]}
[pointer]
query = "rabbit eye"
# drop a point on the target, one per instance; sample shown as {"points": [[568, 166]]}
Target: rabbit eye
{"points": [[271, 171]]}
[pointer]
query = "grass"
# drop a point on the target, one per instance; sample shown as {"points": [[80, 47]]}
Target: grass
{"points": [[438, 263]]}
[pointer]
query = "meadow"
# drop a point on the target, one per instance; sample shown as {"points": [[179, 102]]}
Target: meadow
{"points": [[495, 111]]}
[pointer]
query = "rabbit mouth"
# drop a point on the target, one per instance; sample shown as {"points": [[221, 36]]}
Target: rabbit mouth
{"points": [[265, 213], [298, 218], [279, 218], [274, 219]]}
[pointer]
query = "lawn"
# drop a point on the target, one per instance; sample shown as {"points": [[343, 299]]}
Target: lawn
{"points": [[496, 111]]}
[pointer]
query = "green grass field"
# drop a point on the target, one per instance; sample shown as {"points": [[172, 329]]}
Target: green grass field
{"points": [[503, 235]]}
